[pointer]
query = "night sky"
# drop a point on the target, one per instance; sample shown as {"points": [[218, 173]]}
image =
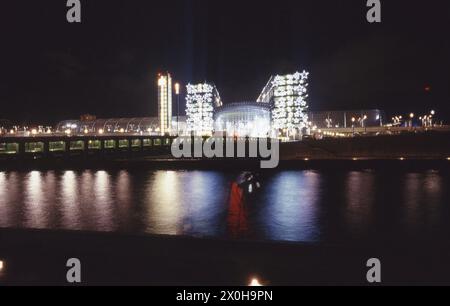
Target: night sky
{"points": [[107, 65]]}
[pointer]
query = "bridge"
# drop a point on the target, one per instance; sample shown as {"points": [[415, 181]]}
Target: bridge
{"points": [[54, 145]]}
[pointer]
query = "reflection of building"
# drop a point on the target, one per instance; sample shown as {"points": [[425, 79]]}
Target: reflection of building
{"points": [[243, 119], [165, 103], [201, 99]]}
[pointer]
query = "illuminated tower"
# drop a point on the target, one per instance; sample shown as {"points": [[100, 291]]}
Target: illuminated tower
{"points": [[165, 102], [201, 99], [287, 94]]}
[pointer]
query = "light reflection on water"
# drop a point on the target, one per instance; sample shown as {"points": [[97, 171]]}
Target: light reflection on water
{"points": [[34, 212], [360, 196], [291, 209], [290, 205]]}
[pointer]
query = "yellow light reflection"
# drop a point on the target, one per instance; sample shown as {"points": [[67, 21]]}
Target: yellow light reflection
{"points": [[165, 213]]}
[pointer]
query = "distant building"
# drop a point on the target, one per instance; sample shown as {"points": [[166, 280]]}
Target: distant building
{"points": [[347, 119], [280, 110], [165, 103], [138, 125]]}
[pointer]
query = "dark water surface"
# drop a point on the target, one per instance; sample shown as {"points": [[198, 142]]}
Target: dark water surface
{"points": [[303, 205]]}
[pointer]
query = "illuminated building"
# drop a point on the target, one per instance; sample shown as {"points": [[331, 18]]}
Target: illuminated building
{"points": [[137, 126], [287, 94], [201, 99], [243, 119], [165, 103], [281, 110]]}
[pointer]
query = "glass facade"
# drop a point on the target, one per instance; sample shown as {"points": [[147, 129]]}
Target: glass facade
{"points": [[243, 119]]}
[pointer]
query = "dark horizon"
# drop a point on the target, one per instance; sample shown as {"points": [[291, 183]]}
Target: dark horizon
{"points": [[107, 65]]}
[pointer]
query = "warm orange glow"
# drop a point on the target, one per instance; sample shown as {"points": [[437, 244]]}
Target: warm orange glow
{"points": [[177, 88], [255, 282]]}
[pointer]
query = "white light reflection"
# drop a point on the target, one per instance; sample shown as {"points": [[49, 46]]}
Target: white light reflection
{"points": [[204, 193], [5, 208], [124, 199], [70, 205], [291, 211], [34, 200], [103, 201]]}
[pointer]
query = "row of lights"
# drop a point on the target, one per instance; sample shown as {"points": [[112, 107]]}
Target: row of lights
{"points": [[398, 119], [360, 119], [101, 131]]}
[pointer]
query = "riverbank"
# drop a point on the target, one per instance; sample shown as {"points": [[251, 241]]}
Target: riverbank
{"points": [[38, 257]]}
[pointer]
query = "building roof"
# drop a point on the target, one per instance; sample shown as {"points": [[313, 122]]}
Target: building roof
{"points": [[243, 103]]}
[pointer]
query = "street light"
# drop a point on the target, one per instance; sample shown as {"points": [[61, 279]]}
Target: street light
{"points": [[177, 92], [411, 116], [353, 125], [364, 118]]}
